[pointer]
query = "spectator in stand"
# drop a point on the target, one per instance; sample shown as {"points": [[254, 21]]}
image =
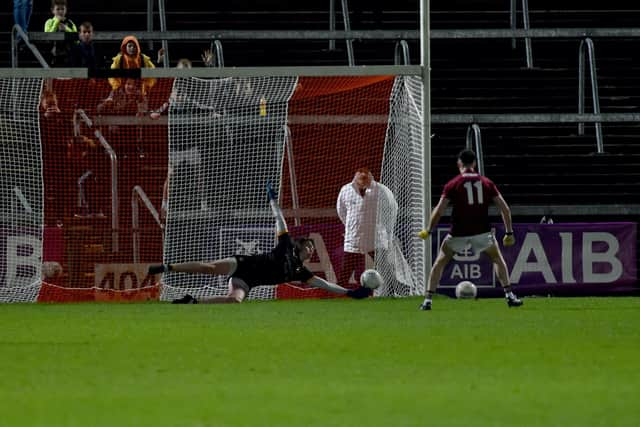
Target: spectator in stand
{"points": [[49, 100], [130, 57], [207, 59], [84, 53], [182, 63], [127, 99], [22, 14], [60, 51]]}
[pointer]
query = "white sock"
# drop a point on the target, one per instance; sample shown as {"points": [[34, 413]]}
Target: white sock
{"points": [[510, 295], [281, 225]]}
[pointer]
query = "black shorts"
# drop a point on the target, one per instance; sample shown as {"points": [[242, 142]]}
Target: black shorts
{"points": [[251, 270]]}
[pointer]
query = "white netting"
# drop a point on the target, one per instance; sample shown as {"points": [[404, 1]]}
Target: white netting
{"points": [[223, 140], [402, 173], [227, 137], [226, 140], [21, 189]]}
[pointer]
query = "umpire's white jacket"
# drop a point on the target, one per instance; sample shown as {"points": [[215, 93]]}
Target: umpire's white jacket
{"points": [[358, 214]]}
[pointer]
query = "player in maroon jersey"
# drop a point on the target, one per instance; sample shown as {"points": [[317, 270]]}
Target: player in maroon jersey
{"points": [[470, 195]]}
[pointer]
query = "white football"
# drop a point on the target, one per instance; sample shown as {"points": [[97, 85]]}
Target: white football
{"points": [[466, 289], [371, 279]]}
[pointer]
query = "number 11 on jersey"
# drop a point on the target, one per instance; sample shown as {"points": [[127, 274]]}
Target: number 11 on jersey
{"points": [[470, 196]]}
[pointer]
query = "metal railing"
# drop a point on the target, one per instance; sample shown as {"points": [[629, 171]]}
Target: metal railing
{"points": [[332, 22], [513, 14], [587, 50], [138, 195], [401, 53], [163, 28], [452, 34], [80, 115], [150, 4], [16, 29], [347, 27], [216, 45], [348, 35], [535, 118], [474, 142], [162, 15]]}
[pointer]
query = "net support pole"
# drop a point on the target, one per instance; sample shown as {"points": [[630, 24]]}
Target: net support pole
{"points": [[425, 62], [150, 21], [292, 175]]}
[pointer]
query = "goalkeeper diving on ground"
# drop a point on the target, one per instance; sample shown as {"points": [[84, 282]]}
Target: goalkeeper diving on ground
{"points": [[282, 264]]}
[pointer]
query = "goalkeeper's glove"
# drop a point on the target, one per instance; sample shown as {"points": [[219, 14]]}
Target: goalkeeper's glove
{"points": [[509, 239], [359, 292], [160, 268], [271, 193]]}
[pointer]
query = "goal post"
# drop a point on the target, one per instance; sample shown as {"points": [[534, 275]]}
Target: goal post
{"points": [[96, 167]]}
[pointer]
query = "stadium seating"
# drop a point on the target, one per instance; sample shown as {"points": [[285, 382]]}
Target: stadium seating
{"points": [[469, 76]]}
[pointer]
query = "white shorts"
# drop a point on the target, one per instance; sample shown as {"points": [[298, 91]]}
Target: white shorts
{"points": [[476, 243], [235, 283]]}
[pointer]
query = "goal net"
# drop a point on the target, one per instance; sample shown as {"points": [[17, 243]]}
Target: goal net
{"points": [[21, 187], [98, 182], [308, 136]]}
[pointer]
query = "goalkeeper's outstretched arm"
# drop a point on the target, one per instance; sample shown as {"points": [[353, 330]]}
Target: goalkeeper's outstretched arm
{"points": [[358, 293]]}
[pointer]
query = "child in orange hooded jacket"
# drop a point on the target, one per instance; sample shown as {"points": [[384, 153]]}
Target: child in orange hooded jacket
{"points": [[130, 57]]}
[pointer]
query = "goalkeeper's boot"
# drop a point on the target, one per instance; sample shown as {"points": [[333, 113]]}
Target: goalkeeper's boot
{"points": [[426, 305], [271, 193], [187, 299], [514, 301], [159, 269]]}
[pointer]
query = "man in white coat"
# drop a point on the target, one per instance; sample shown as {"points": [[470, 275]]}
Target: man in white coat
{"points": [[357, 208]]}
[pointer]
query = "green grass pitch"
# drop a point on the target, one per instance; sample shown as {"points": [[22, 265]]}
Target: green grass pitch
{"points": [[552, 362]]}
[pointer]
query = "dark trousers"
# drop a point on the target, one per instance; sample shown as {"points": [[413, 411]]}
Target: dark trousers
{"points": [[352, 262]]}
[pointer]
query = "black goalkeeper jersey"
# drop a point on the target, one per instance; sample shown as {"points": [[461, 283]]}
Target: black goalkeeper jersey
{"points": [[278, 266]]}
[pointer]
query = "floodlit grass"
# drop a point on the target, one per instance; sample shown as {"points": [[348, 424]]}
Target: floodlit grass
{"points": [[553, 362]]}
